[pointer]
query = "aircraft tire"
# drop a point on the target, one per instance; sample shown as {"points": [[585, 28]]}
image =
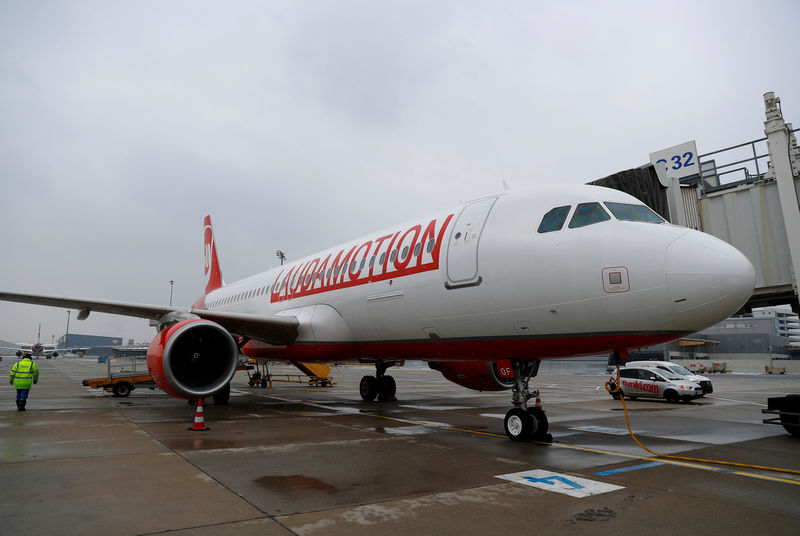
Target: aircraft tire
{"points": [[387, 388], [222, 396], [368, 388], [519, 424], [541, 424]]}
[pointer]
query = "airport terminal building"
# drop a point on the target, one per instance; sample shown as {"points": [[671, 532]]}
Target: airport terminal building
{"points": [[76, 340], [748, 343]]}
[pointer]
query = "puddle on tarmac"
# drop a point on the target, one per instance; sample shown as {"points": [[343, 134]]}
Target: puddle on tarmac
{"points": [[280, 483]]}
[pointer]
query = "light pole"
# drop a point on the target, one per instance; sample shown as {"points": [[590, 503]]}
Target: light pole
{"points": [[66, 337], [171, 282], [281, 256]]}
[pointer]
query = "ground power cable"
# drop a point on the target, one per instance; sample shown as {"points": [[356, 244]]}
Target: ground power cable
{"points": [[616, 389]]}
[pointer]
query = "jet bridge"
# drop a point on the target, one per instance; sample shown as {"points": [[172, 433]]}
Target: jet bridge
{"points": [[746, 195]]}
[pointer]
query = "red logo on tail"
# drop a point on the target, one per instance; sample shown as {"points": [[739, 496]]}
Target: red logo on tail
{"points": [[213, 275]]}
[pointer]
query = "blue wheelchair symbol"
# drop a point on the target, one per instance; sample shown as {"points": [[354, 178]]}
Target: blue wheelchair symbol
{"points": [[551, 480]]}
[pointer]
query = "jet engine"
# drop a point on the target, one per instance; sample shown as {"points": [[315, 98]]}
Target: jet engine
{"points": [[193, 358], [477, 375]]}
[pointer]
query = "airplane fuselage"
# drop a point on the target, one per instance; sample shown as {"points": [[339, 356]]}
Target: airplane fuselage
{"points": [[489, 280]]}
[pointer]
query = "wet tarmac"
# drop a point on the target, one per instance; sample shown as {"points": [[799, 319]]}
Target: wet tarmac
{"points": [[307, 460]]}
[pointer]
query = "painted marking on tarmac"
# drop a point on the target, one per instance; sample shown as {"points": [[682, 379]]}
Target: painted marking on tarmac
{"points": [[737, 401], [444, 426], [600, 429], [566, 484], [629, 468]]}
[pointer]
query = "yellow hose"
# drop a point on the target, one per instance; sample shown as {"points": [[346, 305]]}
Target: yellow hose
{"points": [[718, 462]]}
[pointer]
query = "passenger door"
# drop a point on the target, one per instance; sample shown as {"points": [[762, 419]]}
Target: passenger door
{"points": [[462, 249]]}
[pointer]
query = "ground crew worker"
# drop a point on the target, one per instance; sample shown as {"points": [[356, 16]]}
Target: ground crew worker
{"points": [[23, 375]]}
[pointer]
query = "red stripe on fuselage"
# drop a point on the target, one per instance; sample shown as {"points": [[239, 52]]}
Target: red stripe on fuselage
{"points": [[555, 347]]}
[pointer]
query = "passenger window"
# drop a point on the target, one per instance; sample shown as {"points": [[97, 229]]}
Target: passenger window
{"points": [[630, 212], [554, 220], [588, 214]]}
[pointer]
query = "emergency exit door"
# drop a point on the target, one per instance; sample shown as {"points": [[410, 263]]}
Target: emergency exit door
{"points": [[462, 249]]}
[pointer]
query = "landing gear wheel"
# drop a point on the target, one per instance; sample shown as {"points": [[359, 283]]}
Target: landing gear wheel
{"points": [[672, 397], [122, 389], [386, 388], [519, 424], [540, 430], [368, 388], [222, 396]]}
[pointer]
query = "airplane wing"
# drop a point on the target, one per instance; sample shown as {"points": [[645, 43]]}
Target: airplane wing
{"points": [[272, 329]]}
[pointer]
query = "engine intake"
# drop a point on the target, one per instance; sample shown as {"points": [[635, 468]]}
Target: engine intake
{"points": [[192, 359], [477, 375]]}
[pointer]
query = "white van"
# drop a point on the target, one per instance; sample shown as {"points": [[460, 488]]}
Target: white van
{"points": [[669, 366], [654, 383]]}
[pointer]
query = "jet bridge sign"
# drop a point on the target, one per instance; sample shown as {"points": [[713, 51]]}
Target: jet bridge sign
{"points": [[676, 162]]}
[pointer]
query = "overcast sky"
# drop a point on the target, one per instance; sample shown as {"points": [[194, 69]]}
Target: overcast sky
{"points": [[300, 125]]}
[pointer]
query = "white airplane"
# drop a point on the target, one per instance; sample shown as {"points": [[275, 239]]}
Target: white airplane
{"points": [[36, 349], [482, 291]]}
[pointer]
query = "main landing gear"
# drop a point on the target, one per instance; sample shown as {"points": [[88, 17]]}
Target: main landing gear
{"points": [[381, 386], [523, 423]]}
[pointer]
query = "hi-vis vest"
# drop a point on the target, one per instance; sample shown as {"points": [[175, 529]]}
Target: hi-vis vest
{"points": [[23, 373]]}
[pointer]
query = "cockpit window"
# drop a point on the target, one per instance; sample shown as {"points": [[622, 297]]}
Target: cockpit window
{"points": [[587, 214], [629, 212], [554, 220]]}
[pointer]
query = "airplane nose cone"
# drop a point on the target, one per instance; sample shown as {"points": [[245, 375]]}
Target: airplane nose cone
{"points": [[708, 279]]}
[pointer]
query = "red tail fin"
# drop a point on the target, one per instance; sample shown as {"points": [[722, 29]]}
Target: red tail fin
{"points": [[213, 275]]}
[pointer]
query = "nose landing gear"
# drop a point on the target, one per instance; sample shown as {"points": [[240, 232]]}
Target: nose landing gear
{"points": [[523, 423]]}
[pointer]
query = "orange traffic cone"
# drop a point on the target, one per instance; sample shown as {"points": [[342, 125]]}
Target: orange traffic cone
{"points": [[538, 403], [199, 422]]}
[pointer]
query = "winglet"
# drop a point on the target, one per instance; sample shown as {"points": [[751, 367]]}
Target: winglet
{"points": [[213, 275]]}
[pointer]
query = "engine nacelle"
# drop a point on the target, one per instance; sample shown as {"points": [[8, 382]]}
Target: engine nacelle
{"points": [[192, 359], [477, 375]]}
